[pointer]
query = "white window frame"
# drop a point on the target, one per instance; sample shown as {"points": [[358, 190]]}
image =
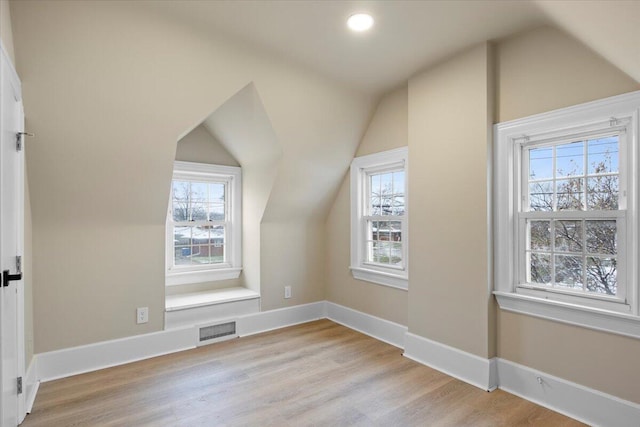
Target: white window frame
{"points": [[232, 267], [361, 167], [619, 114]]}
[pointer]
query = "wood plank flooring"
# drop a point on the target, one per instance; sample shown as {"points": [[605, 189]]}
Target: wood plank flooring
{"points": [[316, 374]]}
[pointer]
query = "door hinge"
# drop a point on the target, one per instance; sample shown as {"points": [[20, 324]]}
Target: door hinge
{"points": [[18, 264], [19, 384], [20, 139]]}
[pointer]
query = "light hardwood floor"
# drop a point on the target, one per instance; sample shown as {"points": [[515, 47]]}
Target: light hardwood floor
{"points": [[319, 373]]}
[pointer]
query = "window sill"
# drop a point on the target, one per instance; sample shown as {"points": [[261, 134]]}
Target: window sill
{"points": [[573, 314], [380, 278], [201, 276], [207, 298]]}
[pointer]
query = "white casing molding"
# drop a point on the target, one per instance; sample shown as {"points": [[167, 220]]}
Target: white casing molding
{"points": [[31, 384], [380, 329], [577, 401], [574, 400], [467, 367]]}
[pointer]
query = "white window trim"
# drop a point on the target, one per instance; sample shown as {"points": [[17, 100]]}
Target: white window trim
{"points": [[387, 276], [233, 267], [623, 319]]}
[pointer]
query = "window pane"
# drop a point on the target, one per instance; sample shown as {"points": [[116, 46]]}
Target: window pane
{"points": [[376, 208], [182, 255], [182, 236], [198, 210], [216, 212], [395, 231], [541, 163], [540, 235], [602, 193], [398, 183], [381, 252], [539, 268], [216, 192], [199, 191], [570, 159], [386, 194], [396, 253], [570, 194], [568, 236], [373, 230], [180, 200], [182, 245], [569, 271], [602, 155], [601, 237], [541, 196], [602, 275], [398, 205], [199, 235]]}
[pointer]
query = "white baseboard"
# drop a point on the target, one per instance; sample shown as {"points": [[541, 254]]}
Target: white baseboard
{"points": [[467, 367], [87, 358], [585, 404], [574, 400], [31, 384], [77, 360], [275, 319], [380, 329]]}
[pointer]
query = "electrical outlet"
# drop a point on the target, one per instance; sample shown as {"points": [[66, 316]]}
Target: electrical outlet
{"points": [[142, 315], [287, 292]]}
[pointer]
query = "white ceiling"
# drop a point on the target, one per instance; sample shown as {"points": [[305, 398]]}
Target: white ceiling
{"points": [[407, 35]]}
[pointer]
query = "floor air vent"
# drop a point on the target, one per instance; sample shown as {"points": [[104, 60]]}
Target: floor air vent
{"points": [[213, 333]]}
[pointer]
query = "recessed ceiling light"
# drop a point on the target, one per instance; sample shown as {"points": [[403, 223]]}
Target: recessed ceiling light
{"points": [[360, 22]]}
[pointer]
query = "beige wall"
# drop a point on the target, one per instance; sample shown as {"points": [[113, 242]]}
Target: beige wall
{"points": [[449, 297], [603, 361], [107, 108], [565, 73], [545, 69], [296, 241], [201, 147], [387, 130]]}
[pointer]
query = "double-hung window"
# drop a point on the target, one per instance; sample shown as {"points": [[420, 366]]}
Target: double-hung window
{"points": [[379, 218], [566, 190], [203, 224]]}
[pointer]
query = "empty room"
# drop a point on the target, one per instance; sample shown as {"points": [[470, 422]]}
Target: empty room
{"points": [[320, 213]]}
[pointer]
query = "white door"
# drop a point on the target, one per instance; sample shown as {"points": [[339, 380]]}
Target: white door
{"points": [[11, 244]]}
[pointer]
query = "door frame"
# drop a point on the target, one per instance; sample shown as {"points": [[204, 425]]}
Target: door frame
{"points": [[16, 85]]}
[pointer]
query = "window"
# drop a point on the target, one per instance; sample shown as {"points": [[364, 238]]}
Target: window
{"points": [[566, 190], [379, 218], [203, 224]]}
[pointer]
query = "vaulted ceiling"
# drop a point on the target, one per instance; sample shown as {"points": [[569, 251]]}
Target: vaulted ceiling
{"points": [[407, 35]]}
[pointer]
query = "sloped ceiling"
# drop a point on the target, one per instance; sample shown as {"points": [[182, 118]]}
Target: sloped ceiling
{"points": [[408, 35], [611, 28]]}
